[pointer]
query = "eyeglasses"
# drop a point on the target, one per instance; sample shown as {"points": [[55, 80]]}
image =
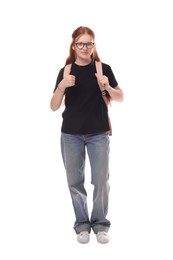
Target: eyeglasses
{"points": [[80, 45]]}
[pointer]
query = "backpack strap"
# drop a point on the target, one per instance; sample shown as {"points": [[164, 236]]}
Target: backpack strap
{"points": [[67, 69], [99, 70]]}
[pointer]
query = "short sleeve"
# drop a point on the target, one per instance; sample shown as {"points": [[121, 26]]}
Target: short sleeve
{"points": [[59, 78], [107, 71]]}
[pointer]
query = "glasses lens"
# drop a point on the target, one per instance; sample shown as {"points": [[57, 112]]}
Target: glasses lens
{"points": [[79, 45], [89, 45]]}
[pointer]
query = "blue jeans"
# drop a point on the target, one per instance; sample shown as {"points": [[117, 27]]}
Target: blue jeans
{"points": [[73, 148]]}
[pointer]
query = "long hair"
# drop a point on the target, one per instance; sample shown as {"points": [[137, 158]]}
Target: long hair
{"points": [[76, 34], [94, 56]]}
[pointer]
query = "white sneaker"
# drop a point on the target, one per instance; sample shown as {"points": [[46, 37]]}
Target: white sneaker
{"points": [[102, 237], [83, 237]]}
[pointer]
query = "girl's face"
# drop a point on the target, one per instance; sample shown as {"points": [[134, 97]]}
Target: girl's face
{"points": [[83, 48]]}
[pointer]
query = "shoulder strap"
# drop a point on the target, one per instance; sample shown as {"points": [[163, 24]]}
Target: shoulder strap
{"points": [[99, 70], [67, 70]]}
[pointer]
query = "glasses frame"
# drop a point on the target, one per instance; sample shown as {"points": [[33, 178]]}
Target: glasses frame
{"points": [[84, 44]]}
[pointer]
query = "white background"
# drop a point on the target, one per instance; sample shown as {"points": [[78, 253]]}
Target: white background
{"points": [[36, 215]]}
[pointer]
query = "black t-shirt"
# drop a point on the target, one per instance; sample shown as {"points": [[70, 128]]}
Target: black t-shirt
{"points": [[85, 110]]}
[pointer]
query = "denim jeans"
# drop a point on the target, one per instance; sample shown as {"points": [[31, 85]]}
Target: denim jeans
{"points": [[74, 148]]}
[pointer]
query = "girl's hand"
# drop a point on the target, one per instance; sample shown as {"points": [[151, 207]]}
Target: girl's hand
{"points": [[102, 81], [69, 81]]}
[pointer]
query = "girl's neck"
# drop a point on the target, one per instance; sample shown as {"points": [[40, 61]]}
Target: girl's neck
{"points": [[83, 62]]}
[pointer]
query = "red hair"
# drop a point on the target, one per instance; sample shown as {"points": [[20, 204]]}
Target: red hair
{"points": [[76, 34], [71, 58]]}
